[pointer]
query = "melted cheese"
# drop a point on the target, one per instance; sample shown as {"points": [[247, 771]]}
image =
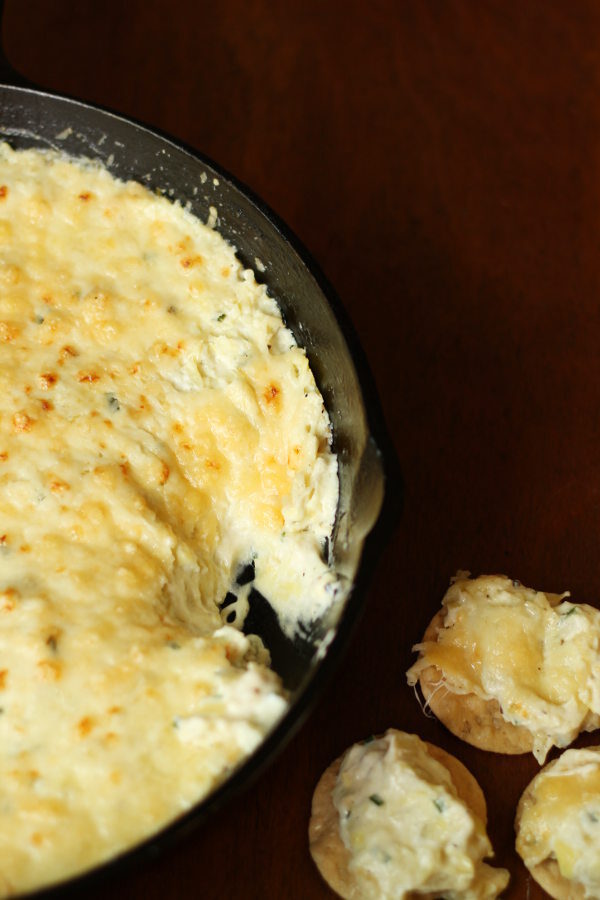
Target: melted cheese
{"points": [[406, 828], [560, 818], [537, 656], [159, 429]]}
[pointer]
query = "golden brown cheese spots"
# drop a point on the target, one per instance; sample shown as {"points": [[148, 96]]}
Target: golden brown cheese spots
{"points": [[3, 191], [165, 350], [21, 422], [47, 380], [58, 486], [188, 262], [88, 377], [272, 396], [85, 726], [8, 599], [66, 352], [3, 675]]}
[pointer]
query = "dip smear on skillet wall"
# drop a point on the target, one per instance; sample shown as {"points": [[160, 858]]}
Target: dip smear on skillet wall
{"points": [[35, 119]]}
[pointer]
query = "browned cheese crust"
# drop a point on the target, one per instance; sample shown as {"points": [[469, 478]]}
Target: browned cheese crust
{"points": [[326, 846], [547, 874], [476, 721]]}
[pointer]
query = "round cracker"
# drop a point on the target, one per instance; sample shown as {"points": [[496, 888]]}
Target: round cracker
{"points": [[474, 720], [547, 873], [326, 846]]}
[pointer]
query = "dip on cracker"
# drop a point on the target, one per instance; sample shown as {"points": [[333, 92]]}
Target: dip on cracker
{"points": [[395, 816], [558, 826], [510, 669]]}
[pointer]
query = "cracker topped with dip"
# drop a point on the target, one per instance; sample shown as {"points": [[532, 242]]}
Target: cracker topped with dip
{"points": [[510, 669], [396, 817], [558, 826], [160, 431]]}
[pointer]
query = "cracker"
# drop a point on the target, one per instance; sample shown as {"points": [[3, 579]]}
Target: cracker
{"points": [[474, 720], [547, 873], [326, 846]]}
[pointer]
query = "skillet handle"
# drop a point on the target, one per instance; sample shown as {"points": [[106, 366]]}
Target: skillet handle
{"points": [[7, 73]]}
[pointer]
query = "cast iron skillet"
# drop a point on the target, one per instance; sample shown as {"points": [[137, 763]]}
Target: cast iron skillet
{"points": [[33, 118]]}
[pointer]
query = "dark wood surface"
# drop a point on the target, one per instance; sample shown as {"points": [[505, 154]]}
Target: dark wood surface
{"points": [[441, 160]]}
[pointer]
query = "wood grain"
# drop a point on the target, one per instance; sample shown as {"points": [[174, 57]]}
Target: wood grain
{"points": [[441, 161]]}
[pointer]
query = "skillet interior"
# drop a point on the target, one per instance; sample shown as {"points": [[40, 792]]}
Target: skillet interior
{"points": [[34, 119]]}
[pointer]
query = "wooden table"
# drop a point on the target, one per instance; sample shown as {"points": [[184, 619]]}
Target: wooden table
{"points": [[441, 160]]}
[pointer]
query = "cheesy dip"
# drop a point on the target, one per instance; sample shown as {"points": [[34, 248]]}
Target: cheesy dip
{"points": [[405, 819], [160, 430], [558, 825], [535, 656]]}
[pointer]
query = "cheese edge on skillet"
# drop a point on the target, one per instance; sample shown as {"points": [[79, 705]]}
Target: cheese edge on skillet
{"points": [[159, 430]]}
